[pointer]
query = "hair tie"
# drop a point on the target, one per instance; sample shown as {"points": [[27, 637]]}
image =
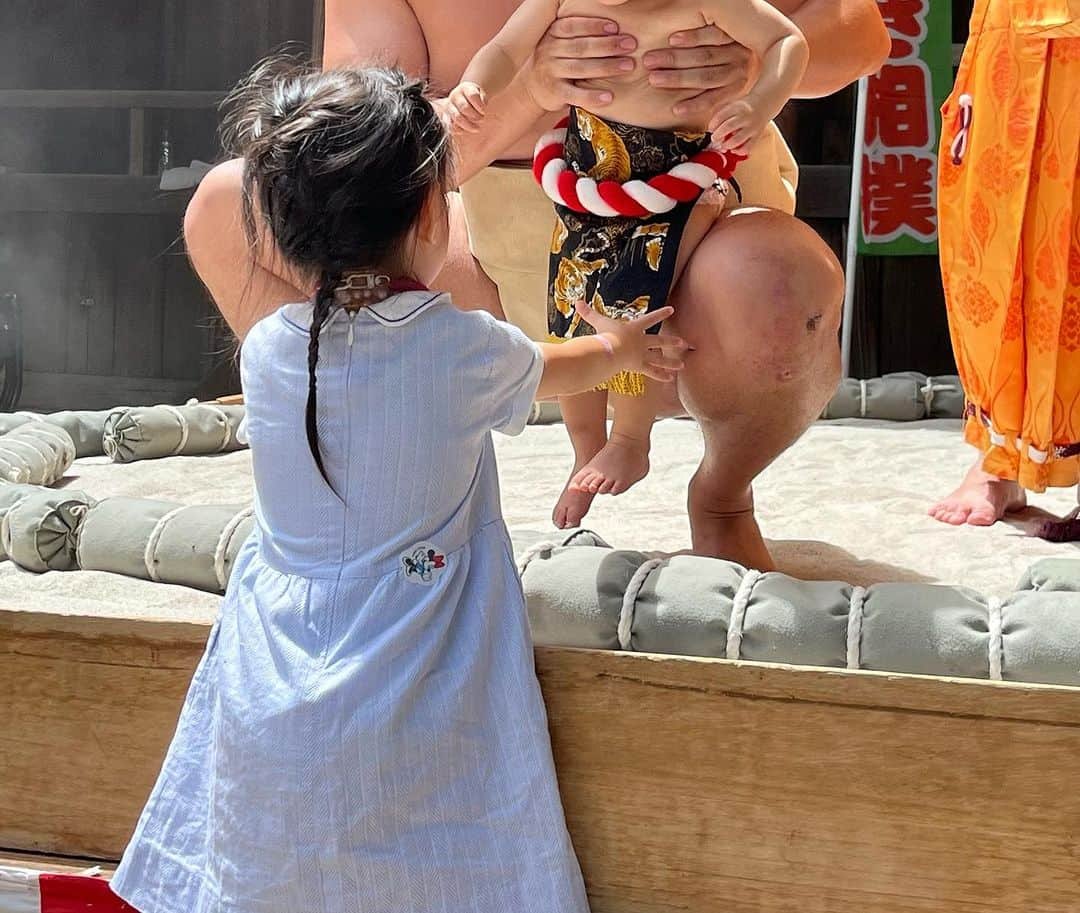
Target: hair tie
{"points": [[360, 290]]}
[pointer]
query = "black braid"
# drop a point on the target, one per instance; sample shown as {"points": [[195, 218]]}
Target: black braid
{"points": [[324, 301]]}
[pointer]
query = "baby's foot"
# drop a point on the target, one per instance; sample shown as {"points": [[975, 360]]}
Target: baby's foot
{"points": [[572, 505], [622, 463], [981, 500]]}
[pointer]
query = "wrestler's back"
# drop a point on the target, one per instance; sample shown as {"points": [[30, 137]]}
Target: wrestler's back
{"points": [[652, 23]]}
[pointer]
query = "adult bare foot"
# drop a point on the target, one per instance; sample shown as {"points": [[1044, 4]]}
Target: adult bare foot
{"points": [[726, 529], [621, 464], [981, 500], [573, 504]]}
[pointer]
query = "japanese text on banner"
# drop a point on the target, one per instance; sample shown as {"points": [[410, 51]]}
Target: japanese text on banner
{"points": [[899, 197]]}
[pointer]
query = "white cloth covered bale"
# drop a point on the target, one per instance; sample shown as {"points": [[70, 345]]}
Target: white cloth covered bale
{"points": [[84, 427], [35, 453], [601, 598], [902, 397], [153, 432], [116, 532], [40, 531], [193, 546]]}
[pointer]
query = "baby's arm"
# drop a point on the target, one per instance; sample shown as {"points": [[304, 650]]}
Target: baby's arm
{"points": [[496, 64], [783, 52]]}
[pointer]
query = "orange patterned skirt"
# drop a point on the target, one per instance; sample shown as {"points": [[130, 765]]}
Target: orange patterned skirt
{"points": [[1009, 223]]}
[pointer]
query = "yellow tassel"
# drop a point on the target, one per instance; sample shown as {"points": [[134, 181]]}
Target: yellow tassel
{"points": [[626, 383]]}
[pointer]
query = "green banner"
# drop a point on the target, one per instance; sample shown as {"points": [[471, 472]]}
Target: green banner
{"points": [[903, 123]]}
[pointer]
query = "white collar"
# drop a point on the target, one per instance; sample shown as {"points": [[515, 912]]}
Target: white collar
{"points": [[395, 311]]}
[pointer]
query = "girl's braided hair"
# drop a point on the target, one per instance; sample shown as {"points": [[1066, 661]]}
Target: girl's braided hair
{"points": [[338, 166]]}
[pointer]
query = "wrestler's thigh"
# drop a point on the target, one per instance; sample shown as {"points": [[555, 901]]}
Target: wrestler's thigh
{"points": [[462, 276]]}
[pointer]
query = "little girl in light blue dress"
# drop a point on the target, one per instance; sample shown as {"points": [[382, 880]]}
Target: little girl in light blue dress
{"points": [[365, 731]]}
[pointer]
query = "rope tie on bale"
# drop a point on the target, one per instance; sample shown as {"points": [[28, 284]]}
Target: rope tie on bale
{"points": [[996, 643], [540, 550], [184, 430], [738, 613], [150, 554], [221, 550], [854, 627], [629, 602]]}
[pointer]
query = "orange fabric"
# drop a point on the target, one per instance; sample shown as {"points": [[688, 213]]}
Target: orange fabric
{"points": [[1009, 227]]}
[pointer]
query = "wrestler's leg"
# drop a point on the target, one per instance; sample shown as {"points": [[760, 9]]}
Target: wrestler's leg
{"points": [[585, 417], [760, 304], [247, 283], [624, 459]]}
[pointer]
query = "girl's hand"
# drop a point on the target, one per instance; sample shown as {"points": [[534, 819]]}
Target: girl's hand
{"points": [[659, 357], [578, 48], [468, 104], [736, 125], [705, 59]]}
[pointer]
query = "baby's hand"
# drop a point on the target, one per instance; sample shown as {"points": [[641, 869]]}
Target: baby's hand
{"points": [[736, 125], [659, 356], [467, 106]]}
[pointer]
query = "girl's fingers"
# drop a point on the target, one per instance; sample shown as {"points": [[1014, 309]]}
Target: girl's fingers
{"points": [[648, 321]]}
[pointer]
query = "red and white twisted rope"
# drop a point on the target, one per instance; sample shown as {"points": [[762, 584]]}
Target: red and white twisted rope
{"points": [[635, 199]]}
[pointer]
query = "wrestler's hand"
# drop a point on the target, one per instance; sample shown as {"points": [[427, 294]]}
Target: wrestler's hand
{"points": [[736, 125], [705, 59], [578, 48], [468, 103], [658, 356]]}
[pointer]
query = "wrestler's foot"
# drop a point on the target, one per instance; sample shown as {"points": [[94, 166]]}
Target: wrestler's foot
{"points": [[622, 463], [573, 504], [981, 500], [726, 529]]}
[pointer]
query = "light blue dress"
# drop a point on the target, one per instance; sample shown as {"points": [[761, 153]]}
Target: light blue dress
{"points": [[365, 731]]}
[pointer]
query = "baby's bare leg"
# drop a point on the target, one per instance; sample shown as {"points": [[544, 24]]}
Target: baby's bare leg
{"points": [[624, 460], [585, 416]]}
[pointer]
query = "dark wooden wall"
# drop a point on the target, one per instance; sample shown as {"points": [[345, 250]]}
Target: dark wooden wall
{"points": [[112, 312]]}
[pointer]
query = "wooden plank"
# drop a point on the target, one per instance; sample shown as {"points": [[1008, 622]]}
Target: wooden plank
{"points": [[60, 865], [49, 392], [697, 785], [137, 142], [138, 270], [108, 98], [824, 191], [689, 784], [33, 262], [105, 193]]}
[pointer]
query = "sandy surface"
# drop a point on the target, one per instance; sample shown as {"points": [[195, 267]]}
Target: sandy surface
{"points": [[848, 502]]}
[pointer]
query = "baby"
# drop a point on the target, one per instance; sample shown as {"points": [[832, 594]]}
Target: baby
{"points": [[625, 187]]}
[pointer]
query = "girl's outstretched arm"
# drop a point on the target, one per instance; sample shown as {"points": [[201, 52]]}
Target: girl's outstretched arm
{"points": [[585, 363]]}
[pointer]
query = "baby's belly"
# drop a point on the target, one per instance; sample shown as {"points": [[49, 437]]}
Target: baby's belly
{"points": [[637, 102]]}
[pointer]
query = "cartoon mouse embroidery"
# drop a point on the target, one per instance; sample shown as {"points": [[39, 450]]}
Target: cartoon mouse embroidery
{"points": [[423, 563]]}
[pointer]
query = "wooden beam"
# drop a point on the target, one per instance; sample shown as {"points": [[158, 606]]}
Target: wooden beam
{"points": [[103, 193], [108, 98], [47, 392], [689, 784]]}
